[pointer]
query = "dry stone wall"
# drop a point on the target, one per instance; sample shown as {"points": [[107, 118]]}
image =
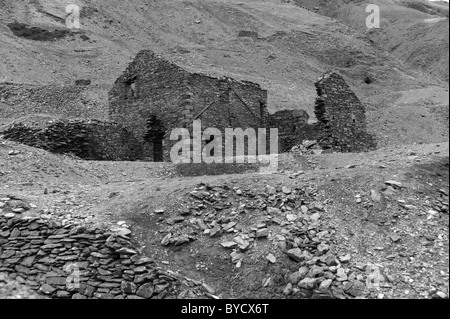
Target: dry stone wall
{"points": [[62, 258], [154, 87], [89, 140], [341, 115]]}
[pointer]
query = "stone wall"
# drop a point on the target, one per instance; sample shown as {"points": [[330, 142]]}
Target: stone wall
{"points": [[154, 87], [51, 256], [64, 100], [341, 116], [293, 128], [87, 139]]}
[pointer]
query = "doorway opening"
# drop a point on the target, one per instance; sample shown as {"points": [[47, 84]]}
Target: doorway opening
{"points": [[130, 88], [155, 137]]}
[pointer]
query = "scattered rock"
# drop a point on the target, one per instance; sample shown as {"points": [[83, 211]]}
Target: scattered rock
{"points": [[296, 254], [262, 233], [229, 244], [345, 259], [376, 197], [325, 285], [394, 184], [209, 289], [287, 290], [271, 258], [395, 238], [315, 217], [308, 283]]}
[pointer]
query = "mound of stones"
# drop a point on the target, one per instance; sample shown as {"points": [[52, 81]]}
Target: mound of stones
{"points": [[307, 148], [289, 224], [65, 259]]}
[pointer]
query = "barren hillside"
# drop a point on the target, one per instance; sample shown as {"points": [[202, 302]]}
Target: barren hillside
{"points": [[371, 225], [292, 48], [416, 31]]}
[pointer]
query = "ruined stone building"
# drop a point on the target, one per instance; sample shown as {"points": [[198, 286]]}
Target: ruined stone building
{"points": [[154, 96], [341, 115], [293, 128], [341, 125], [135, 119]]}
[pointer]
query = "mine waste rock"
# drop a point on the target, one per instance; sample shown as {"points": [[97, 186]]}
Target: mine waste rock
{"points": [[286, 227], [307, 148]]}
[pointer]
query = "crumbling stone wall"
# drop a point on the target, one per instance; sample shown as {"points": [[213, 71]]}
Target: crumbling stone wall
{"points": [[45, 254], [87, 139], [293, 128], [341, 116], [88, 102], [153, 87]]}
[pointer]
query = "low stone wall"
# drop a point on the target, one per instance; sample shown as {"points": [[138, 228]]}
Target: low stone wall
{"points": [[90, 140], [61, 258], [46, 256]]}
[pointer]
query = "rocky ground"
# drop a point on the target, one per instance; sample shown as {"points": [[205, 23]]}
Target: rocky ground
{"points": [[371, 225]]}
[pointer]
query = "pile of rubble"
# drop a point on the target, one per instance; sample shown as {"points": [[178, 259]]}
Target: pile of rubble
{"points": [[65, 259], [307, 148], [289, 219]]}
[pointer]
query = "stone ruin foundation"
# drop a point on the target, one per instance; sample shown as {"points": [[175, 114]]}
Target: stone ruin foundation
{"points": [[86, 139]]}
